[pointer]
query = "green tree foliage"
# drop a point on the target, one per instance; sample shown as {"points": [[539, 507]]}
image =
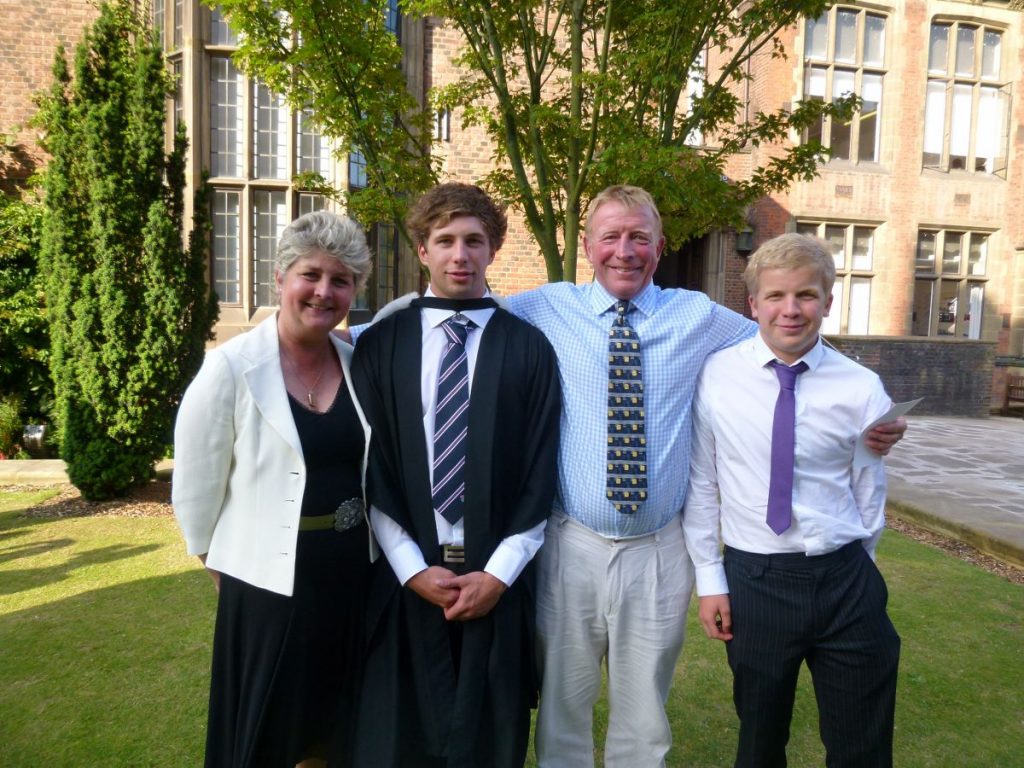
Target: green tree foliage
{"points": [[340, 60], [24, 339], [130, 310], [574, 94]]}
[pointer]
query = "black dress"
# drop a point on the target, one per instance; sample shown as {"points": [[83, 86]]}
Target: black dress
{"points": [[285, 669]]}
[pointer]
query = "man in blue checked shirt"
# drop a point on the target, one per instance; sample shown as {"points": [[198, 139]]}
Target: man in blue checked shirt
{"points": [[614, 577]]}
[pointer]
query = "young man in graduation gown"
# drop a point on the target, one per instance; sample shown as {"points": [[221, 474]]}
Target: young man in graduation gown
{"points": [[464, 403]]}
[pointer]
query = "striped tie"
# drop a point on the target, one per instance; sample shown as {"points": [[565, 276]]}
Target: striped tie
{"points": [[451, 420], [627, 445]]}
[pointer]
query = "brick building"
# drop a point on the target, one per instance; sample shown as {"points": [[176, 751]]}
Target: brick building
{"points": [[922, 196], [29, 35]]}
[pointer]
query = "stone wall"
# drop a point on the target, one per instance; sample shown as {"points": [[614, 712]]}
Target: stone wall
{"points": [[953, 375]]}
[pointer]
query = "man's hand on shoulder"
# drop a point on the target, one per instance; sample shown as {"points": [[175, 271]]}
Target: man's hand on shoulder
{"points": [[433, 584], [478, 594], [885, 436]]}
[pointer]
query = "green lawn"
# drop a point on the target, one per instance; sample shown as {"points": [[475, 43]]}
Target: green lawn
{"points": [[105, 630]]}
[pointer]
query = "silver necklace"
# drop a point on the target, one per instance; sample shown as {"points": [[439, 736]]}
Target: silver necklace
{"points": [[310, 391]]}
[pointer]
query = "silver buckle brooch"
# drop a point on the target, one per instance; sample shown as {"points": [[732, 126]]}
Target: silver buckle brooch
{"points": [[348, 515]]}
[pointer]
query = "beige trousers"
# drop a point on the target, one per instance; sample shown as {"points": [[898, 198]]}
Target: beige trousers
{"points": [[619, 600]]}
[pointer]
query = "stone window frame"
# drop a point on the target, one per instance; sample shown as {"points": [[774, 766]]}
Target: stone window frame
{"points": [[960, 284], [851, 272], [827, 63], [258, 227], [975, 83]]}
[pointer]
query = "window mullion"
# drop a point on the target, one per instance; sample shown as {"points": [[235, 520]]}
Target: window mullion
{"points": [[858, 88], [830, 46], [947, 136], [858, 48], [848, 245], [826, 123], [844, 311], [948, 123], [972, 145]]}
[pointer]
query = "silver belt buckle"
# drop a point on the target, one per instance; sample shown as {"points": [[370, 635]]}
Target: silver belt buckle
{"points": [[453, 554], [348, 515]]}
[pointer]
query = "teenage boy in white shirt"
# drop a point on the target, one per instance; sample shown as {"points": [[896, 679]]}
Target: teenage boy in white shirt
{"points": [[800, 521]]}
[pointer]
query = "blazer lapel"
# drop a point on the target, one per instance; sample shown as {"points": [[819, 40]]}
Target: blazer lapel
{"points": [[266, 382]]}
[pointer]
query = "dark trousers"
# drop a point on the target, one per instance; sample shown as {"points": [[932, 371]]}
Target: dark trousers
{"points": [[829, 611]]}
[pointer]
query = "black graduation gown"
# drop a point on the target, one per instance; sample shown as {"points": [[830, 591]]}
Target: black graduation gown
{"points": [[412, 702]]}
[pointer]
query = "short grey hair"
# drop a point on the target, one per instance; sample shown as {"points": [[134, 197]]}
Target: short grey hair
{"points": [[334, 234]]}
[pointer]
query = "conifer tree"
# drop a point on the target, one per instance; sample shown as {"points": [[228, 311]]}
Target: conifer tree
{"points": [[130, 309]]}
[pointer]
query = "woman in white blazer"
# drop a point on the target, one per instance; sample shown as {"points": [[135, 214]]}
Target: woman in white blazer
{"points": [[270, 453]]}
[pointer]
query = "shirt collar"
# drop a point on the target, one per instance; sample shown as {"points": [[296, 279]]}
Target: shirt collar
{"points": [[435, 316], [763, 355], [601, 301]]}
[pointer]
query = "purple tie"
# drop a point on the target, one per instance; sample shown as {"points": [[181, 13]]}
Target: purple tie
{"points": [[780, 488]]}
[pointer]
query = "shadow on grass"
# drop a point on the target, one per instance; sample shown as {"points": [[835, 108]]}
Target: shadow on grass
{"points": [[29, 550], [32, 578], [14, 522], [116, 676], [5, 535]]}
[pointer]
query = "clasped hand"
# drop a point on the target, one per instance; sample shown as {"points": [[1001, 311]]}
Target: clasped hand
{"points": [[462, 598]]}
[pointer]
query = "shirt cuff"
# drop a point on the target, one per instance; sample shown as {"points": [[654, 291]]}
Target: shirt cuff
{"points": [[711, 580], [871, 544], [398, 546], [514, 552]]}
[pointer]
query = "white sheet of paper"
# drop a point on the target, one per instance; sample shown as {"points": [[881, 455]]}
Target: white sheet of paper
{"points": [[863, 455]]}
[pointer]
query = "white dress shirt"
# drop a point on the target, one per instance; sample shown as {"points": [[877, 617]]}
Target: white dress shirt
{"points": [[834, 501], [514, 552]]}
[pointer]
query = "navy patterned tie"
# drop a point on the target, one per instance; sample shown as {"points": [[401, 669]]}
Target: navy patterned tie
{"points": [[627, 444], [780, 486], [451, 421]]}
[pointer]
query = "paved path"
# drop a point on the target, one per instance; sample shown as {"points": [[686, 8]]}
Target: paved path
{"points": [[961, 477], [52, 472]]}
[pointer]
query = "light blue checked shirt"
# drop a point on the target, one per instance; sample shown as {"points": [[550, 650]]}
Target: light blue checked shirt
{"points": [[678, 329]]}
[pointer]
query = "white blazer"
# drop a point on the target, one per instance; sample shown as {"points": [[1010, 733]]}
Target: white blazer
{"points": [[239, 474]]}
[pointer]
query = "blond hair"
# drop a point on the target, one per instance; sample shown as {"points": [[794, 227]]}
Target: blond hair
{"points": [[629, 197], [792, 251]]}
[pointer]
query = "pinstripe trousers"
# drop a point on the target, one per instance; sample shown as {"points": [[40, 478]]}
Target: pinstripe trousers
{"points": [[827, 610]]}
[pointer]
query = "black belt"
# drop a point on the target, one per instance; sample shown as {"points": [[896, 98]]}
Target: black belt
{"points": [[797, 560], [348, 515]]}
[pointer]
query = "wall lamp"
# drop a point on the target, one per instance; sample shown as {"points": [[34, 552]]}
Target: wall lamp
{"points": [[745, 241]]}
